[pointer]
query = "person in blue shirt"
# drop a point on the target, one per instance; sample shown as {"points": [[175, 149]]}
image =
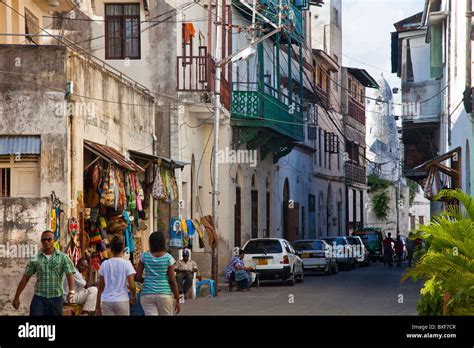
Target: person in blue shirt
{"points": [[235, 265], [159, 284]]}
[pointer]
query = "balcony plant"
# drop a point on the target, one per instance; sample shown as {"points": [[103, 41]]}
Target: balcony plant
{"points": [[447, 265]]}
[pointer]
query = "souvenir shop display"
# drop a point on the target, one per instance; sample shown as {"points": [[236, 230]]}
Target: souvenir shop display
{"points": [[164, 185], [113, 204]]}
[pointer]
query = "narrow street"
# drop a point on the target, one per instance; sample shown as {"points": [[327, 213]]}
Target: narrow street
{"points": [[373, 290]]}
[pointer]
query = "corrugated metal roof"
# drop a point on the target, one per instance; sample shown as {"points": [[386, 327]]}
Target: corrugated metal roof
{"points": [[113, 156], [23, 144]]}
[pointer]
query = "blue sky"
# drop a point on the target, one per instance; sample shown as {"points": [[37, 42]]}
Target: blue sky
{"points": [[366, 27]]}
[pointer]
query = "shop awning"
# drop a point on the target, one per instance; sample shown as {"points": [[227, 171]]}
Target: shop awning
{"points": [[22, 144], [173, 163], [111, 155], [163, 161]]}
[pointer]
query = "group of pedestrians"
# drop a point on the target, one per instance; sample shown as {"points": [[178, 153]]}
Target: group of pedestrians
{"points": [[115, 290], [397, 247]]}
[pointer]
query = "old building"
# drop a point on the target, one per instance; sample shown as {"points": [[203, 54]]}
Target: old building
{"points": [[62, 111], [355, 82], [329, 140], [431, 52]]}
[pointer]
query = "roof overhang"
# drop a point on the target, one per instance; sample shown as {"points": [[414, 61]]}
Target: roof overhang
{"points": [[162, 161], [113, 156], [332, 64], [363, 77], [22, 144]]}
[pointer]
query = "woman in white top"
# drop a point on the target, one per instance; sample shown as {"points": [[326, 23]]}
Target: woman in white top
{"points": [[114, 275]]}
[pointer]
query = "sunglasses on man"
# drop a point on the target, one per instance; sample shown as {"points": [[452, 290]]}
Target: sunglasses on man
{"points": [[46, 239]]}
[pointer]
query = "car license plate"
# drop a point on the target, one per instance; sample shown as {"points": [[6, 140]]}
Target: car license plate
{"points": [[305, 255], [262, 262]]}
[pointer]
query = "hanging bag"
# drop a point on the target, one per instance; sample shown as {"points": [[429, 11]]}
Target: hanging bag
{"points": [[139, 192], [132, 203], [157, 190], [108, 196]]}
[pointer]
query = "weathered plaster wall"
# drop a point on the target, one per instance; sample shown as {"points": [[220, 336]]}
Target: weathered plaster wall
{"points": [[21, 223]]}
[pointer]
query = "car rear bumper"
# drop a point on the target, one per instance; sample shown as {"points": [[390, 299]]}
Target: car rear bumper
{"points": [[315, 264], [274, 274]]}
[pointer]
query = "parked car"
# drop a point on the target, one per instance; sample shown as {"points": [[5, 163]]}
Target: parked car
{"points": [[342, 251], [275, 259], [372, 239], [316, 256], [361, 252]]}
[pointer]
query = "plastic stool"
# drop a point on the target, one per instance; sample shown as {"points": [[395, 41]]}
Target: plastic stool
{"points": [[203, 282]]}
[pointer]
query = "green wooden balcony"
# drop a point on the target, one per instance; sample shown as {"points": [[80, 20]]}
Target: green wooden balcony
{"points": [[269, 110]]}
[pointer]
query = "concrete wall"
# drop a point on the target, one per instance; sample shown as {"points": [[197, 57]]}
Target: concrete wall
{"points": [[390, 223], [32, 102], [21, 223]]}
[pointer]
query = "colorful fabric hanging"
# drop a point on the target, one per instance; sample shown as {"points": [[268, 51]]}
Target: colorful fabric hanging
{"points": [[199, 227], [139, 193], [210, 229], [122, 199], [129, 243], [132, 203], [191, 229]]}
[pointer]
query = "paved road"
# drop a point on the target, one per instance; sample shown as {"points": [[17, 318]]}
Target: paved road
{"points": [[373, 290]]}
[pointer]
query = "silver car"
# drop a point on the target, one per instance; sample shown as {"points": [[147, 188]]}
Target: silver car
{"points": [[315, 254]]}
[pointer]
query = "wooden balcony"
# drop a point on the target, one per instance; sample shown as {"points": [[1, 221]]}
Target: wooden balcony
{"points": [[270, 109], [356, 110], [355, 173], [197, 74]]}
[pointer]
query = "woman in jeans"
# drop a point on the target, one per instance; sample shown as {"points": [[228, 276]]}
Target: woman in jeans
{"points": [[159, 285], [114, 275]]}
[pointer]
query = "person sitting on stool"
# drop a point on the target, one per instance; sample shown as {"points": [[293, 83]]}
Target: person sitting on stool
{"points": [[85, 291], [184, 272]]}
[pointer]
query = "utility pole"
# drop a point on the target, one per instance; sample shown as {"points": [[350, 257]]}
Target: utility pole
{"points": [[215, 164], [243, 53]]}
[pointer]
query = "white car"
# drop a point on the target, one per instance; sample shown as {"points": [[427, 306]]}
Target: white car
{"points": [[275, 259], [359, 250]]}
